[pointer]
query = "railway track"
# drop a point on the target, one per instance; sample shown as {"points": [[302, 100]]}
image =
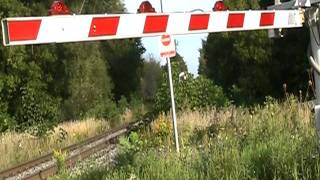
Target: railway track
{"points": [[45, 166]]}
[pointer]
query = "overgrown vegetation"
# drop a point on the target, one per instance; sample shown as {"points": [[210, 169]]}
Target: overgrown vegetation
{"points": [[190, 92], [273, 141], [17, 148], [42, 85], [250, 66]]}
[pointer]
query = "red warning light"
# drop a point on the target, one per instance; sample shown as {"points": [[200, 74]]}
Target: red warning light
{"points": [[146, 7], [219, 6], [58, 7]]}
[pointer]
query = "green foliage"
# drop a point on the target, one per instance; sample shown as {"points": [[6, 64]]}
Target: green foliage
{"points": [[161, 132], [43, 84], [249, 66], [60, 158], [107, 110], [150, 79], [124, 58], [128, 147], [89, 85], [27, 102], [123, 104], [131, 143], [273, 141], [189, 92], [27, 75], [5, 120], [137, 107], [35, 110]]}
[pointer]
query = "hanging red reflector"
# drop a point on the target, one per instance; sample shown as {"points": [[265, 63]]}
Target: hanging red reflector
{"points": [[219, 6], [146, 7], [58, 7]]}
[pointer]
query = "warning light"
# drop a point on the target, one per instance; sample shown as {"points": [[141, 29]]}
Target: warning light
{"points": [[58, 7], [146, 7], [219, 6]]}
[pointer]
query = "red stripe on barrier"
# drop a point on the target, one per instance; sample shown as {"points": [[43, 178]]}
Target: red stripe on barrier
{"points": [[23, 30], [156, 24], [199, 22], [104, 26], [267, 19], [236, 20]]}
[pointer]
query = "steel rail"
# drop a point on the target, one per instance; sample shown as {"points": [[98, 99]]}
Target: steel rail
{"points": [[107, 138]]}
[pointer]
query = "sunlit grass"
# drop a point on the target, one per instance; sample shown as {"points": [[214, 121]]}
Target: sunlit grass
{"points": [[16, 148], [271, 141]]}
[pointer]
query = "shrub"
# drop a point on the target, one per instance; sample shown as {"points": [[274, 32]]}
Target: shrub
{"points": [[60, 158], [194, 93], [162, 130], [128, 147], [38, 112], [6, 122], [274, 141], [106, 109]]}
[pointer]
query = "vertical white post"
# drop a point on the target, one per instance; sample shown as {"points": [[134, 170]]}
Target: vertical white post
{"points": [[315, 48], [174, 117], [316, 56], [161, 6]]}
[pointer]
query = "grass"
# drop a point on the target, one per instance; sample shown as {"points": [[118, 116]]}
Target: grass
{"points": [[17, 148], [273, 141]]}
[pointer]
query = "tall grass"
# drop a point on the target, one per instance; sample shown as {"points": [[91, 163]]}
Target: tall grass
{"points": [[16, 148], [273, 141]]}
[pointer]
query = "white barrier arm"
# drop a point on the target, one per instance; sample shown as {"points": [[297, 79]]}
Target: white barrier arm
{"points": [[75, 28]]}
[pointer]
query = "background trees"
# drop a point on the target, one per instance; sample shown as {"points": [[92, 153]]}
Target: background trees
{"points": [[249, 66], [190, 92], [150, 79], [41, 85]]}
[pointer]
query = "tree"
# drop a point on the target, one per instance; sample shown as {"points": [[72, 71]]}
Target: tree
{"points": [[124, 58], [249, 66], [88, 82], [26, 72], [190, 92], [41, 83], [150, 79]]}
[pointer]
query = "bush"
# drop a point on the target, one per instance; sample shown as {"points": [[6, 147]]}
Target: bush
{"points": [[274, 141], [38, 112], [128, 147], [161, 131], [6, 122], [193, 93], [104, 110]]}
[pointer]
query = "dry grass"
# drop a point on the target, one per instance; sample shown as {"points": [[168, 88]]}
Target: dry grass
{"points": [[202, 119], [199, 120], [276, 140], [242, 119], [17, 148], [189, 120]]}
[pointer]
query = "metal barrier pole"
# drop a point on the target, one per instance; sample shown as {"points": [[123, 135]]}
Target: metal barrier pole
{"points": [[174, 117], [314, 25]]}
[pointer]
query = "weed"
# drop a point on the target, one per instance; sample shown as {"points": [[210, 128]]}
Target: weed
{"points": [[60, 158], [272, 141], [20, 147]]}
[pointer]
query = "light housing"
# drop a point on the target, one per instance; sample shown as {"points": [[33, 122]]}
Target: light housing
{"points": [[146, 7], [58, 7], [220, 6]]}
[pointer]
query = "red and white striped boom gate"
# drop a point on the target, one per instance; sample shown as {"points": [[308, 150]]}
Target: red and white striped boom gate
{"points": [[75, 28]]}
